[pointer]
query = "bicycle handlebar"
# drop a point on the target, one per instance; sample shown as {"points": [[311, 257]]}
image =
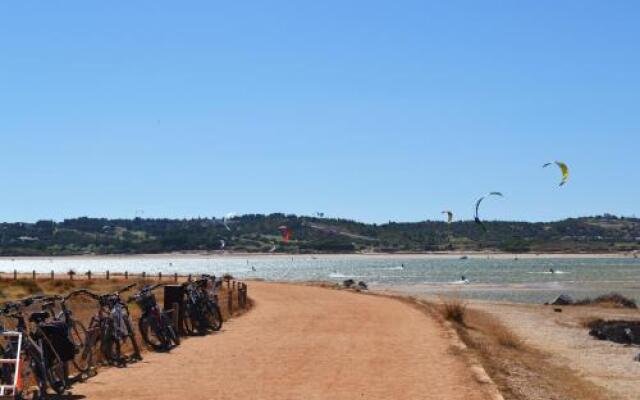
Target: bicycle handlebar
{"points": [[81, 291], [124, 289]]}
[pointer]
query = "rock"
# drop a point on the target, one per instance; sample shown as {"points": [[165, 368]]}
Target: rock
{"points": [[362, 285], [637, 358], [624, 332], [562, 300], [348, 283], [557, 309]]}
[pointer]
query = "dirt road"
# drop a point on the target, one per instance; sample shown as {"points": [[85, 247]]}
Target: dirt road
{"points": [[302, 342]]}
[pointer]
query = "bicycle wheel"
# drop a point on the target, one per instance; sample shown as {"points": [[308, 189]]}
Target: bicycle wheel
{"points": [[56, 375], [83, 349], [152, 334], [190, 320], [55, 372], [213, 316], [170, 331], [111, 349], [35, 371], [132, 338]]}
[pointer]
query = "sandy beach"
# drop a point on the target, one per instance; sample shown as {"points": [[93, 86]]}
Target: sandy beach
{"points": [[553, 356], [304, 342], [563, 337]]}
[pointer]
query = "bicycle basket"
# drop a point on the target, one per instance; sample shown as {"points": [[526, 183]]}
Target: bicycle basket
{"points": [[56, 333]]}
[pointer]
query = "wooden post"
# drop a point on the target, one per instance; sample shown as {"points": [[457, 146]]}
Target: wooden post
{"points": [[89, 275], [233, 285], [34, 274], [189, 278], [15, 275], [159, 276], [175, 277], [144, 275], [52, 275], [107, 274], [126, 275], [229, 302], [244, 292]]}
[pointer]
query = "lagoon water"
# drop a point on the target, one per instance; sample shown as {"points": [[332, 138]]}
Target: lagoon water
{"points": [[525, 280]]}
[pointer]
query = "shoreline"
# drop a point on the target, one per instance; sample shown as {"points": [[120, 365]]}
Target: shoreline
{"points": [[430, 255]]}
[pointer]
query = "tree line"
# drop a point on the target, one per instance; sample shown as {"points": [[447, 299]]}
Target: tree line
{"points": [[260, 233]]}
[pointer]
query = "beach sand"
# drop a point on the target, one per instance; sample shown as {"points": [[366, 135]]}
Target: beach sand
{"points": [[563, 337]]}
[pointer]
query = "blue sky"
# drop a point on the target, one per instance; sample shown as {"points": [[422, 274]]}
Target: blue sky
{"points": [[368, 110]]}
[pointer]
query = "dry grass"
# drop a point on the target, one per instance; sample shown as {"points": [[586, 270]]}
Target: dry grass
{"points": [[454, 309], [610, 300], [501, 334], [521, 372]]}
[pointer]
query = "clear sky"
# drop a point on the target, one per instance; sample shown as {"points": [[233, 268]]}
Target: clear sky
{"points": [[368, 110]]}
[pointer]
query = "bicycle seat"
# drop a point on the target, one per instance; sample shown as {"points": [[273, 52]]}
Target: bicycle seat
{"points": [[39, 316]]}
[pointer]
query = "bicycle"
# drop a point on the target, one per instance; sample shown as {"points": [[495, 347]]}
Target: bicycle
{"points": [[210, 287], [38, 358], [201, 309], [111, 326], [75, 329], [154, 324]]}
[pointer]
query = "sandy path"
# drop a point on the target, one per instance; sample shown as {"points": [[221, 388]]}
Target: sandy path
{"points": [[302, 342]]}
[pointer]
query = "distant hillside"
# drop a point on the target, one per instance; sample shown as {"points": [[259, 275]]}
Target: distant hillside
{"points": [[259, 233]]}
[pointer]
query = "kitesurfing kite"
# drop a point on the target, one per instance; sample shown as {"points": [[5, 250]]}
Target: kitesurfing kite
{"points": [[449, 215], [285, 232], [563, 168], [477, 217]]}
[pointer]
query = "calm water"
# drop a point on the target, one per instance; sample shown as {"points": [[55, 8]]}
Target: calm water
{"points": [[524, 280]]}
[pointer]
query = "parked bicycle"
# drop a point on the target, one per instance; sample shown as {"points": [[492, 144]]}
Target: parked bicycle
{"points": [[201, 311], [44, 349], [75, 330], [155, 325], [111, 327]]}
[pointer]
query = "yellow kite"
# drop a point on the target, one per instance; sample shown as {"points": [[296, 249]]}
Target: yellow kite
{"points": [[563, 167]]}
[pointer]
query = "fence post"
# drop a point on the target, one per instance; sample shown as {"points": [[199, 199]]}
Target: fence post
{"points": [[34, 274], [89, 275], [229, 302], [159, 276], [144, 275], [189, 278], [52, 275], [244, 292], [175, 277], [107, 274], [15, 275]]}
